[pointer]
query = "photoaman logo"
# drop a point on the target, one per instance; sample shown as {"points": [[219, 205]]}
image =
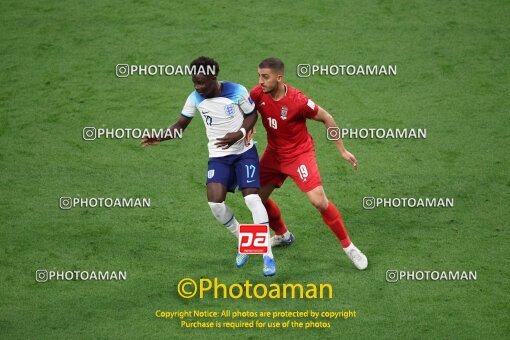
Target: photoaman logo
{"points": [[394, 275], [189, 288]]}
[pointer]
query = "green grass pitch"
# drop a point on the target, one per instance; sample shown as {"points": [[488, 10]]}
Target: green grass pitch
{"points": [[58, 76]]}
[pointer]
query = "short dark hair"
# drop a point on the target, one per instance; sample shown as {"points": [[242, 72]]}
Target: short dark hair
{"points": [[206, 63], [273, 63]]}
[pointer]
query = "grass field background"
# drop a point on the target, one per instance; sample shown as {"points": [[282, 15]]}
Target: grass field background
{"points": [[58, 76]]}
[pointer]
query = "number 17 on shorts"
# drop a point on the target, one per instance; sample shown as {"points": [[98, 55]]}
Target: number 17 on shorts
{"points": [[253, 238]]}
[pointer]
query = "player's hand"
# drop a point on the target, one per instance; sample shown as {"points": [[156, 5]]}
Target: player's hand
{"points": [[349, 157], [148, 141], [228, 140], [249, 136]]}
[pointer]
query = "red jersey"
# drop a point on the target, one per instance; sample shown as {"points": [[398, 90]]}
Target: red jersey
{"points": [[285, 121]]}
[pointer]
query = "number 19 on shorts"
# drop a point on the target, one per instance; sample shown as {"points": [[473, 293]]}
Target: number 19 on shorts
{"points": [[303, 172]]}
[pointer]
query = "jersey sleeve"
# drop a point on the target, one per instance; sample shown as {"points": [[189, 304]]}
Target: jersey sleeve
{"points": [[245, 102], [190, 106], [255, 95], [307, 107]]}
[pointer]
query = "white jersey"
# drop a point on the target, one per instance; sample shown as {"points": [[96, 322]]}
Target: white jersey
{"points": [[221, 115]]}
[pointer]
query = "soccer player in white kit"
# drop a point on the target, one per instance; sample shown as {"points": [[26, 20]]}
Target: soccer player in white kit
{"points": [[228, 112]]}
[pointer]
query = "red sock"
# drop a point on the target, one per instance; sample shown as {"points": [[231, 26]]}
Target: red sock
{"points": [[275, 217], [333, 219]]}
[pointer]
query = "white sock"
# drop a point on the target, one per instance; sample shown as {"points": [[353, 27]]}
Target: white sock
{"points": [[259, 214], [225, 216]]}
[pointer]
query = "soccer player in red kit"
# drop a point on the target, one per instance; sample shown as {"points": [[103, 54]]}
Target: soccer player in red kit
{"points": [[291, 153]]}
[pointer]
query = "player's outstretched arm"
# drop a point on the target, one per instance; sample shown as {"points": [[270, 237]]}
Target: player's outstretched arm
{"points": [[329, 121], [230, 138], [180, 125]]}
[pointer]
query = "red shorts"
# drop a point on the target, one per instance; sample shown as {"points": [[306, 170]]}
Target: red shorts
{"points": [[303, 170]]}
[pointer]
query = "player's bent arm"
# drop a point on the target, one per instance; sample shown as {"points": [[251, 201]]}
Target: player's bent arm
{"points": [[249, 122], [232, 137], [250, 131], [328, 120]]}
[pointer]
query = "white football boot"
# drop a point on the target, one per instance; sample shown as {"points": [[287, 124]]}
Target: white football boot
{"points": [[359, 259], [281, 241]]}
